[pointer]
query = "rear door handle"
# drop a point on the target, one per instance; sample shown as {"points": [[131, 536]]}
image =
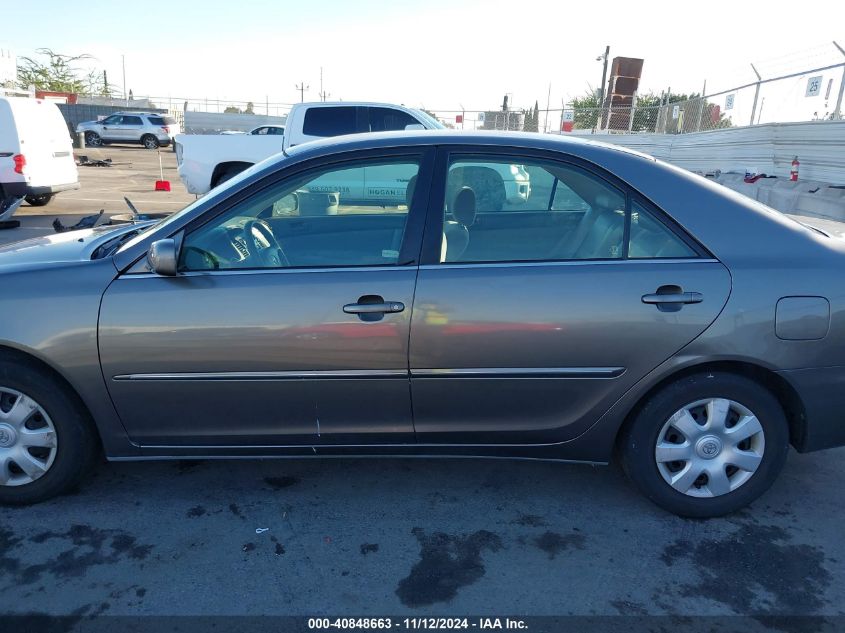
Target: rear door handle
{"points": [[374, 308], [677, 297]]}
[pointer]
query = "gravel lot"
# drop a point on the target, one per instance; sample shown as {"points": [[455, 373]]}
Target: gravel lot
{"points": [[389, 537]]}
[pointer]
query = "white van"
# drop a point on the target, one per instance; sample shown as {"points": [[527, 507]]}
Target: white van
{"points": [[36, 154]]}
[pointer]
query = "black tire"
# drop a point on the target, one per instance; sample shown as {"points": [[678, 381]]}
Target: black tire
{"points": [[150, 142], [40, 200], [228, 173], [92, 139], [77, 445], [638, 440]]}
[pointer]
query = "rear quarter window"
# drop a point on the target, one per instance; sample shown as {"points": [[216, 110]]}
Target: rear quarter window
{"points": [[157, 120]]}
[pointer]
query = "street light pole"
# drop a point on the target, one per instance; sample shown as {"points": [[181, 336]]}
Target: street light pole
{"points": [[606, 56]]}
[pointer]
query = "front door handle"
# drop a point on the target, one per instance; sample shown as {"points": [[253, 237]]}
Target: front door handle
{"points": [[374, 308], [676, 298]]}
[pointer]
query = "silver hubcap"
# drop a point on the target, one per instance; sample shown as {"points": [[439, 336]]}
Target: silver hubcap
{"points": [[709, 447], [27, 439], [151, 143]]}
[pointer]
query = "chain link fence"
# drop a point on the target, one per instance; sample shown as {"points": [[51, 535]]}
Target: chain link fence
{"points": [[804, 95]]}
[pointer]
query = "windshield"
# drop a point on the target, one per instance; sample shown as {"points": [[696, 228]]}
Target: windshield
{"points": [[429, 121]]}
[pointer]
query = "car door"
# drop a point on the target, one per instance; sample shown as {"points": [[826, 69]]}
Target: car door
{"points": [[111, 127], [531, 322], [130, 129], [287, 324]]}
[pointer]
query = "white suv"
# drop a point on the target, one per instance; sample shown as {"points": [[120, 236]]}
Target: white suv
{"points": [[150, 129]]}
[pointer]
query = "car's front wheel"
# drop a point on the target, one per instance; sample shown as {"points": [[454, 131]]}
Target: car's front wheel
{"points": [[47, 442], [150, 141], [706, 445], [92, 139]]}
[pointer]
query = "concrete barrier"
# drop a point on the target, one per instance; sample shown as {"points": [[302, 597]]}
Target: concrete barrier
{"points": [[762, 149]]}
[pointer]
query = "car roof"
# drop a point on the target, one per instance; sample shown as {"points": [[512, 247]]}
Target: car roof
{"points": [[405, 138]]}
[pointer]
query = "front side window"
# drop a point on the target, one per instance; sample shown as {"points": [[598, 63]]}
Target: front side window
{"points": [[350, 215], [509, 210], [111, 120], [331, 121]]}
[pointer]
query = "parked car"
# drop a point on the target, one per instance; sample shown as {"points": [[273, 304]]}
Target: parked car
{"points": [[628, 308], [268, 130], [207, 161], [150, 129], [36, 154]]}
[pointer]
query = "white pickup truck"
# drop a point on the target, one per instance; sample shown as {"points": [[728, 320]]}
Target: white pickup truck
{"points": [[205, 161]]}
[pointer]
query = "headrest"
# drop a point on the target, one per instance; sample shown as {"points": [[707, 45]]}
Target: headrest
{"points": [[463, 208]]}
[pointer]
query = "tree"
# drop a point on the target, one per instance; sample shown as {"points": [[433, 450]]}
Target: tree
{"points": [[250, 108], [532, 119], [651, 109], [231, 110], [586, 109], [57, 74]]}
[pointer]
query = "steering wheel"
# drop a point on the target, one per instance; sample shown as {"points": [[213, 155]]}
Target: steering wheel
{"points": [[271, 254]]}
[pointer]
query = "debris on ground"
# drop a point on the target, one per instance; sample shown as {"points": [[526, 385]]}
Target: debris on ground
{"points": [[88, 222]]}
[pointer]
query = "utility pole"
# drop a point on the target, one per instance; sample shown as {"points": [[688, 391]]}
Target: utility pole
{"points": [[605, 57], [548, 100], [756, 94], [123, 63], [302, 87], [106, 84], [323, 94]]}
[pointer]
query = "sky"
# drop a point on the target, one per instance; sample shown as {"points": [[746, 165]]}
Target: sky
{"points": [[437, 54]]}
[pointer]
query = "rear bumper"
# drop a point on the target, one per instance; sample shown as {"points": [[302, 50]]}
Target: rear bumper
{"points": [[822, 392], [51, 189], [22, 189]]}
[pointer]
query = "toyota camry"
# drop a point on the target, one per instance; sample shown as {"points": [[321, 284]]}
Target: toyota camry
{"points": [[627, 309]]}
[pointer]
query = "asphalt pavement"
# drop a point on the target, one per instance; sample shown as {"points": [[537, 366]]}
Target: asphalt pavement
{"points": [[417, 536]]}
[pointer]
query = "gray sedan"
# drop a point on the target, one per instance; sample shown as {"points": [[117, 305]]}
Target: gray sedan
{"points": [[627, 308]]}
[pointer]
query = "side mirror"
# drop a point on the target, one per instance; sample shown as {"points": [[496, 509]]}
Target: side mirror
{"points": [[415, 126], [163, 257]]}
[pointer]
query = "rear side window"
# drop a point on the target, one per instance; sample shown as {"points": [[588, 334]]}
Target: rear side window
{"points": [[651, 239], [388, 119], [332, 121], [132, 120]]}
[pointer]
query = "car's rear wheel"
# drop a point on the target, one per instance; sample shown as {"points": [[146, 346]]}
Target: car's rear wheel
{"points": [[150, 141], [92, 139], [706, 445], [39, 200], [47, 442]]}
